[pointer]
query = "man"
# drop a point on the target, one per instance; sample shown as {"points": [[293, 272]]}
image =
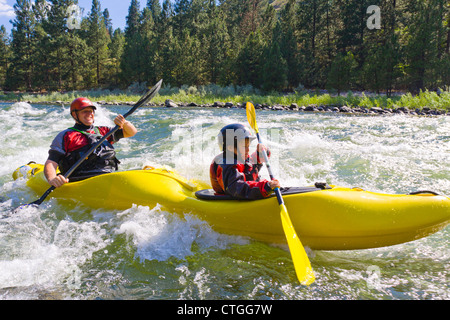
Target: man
{"points": [[234, 172], [70, 145]]}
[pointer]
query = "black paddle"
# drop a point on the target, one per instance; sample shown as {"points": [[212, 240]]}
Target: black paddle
{"points": [[145, 98]]}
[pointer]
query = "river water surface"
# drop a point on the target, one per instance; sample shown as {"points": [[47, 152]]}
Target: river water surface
{"points": [[69, 251]]}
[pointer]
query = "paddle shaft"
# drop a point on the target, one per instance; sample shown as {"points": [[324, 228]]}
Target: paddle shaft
{"points": [[300, 259], [148, 95], [269, 168]]}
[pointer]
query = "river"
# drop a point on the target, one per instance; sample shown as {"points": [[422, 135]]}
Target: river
{"points": [[69, 251]]}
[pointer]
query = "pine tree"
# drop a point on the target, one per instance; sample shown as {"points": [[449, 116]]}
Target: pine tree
{"points": [[421, 48], [308, 14], [381, 67], [108, 22], [149, 45], [248, 64], [217, 46], [155, 9], [20, 73], [116, 48], [98, 40], [288, 43], [342, 72], [40, 74], [274, 68], [182, 19], [66, 50], [166, 44], [131, 64], [5, 55], [251, 18]]}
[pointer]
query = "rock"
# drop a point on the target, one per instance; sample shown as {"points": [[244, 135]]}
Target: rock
{"points": [[277, 108], [218, 104], [376, 110], [170, 104], [345, 109]]}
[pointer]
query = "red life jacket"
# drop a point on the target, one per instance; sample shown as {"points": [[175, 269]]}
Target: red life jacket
{"points": [[78, 142], [240, 180]]}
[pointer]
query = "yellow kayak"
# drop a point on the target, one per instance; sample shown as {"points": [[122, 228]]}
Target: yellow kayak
{"points": [[325, 217]]}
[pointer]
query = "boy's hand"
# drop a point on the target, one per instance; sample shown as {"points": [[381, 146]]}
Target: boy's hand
{"points": [[260, 156], [274, 184]]}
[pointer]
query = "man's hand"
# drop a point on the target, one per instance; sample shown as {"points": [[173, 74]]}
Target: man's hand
{"points": [[128, 129], [50, 173], [58, 181]]}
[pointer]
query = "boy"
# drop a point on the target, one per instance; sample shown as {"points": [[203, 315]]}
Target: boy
{"points": [[234, 172]]}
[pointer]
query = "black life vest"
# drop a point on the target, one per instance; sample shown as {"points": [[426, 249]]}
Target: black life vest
{"points": [[102, 160]]}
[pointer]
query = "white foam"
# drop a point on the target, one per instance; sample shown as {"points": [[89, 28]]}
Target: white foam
{"points": [[159, 235]]}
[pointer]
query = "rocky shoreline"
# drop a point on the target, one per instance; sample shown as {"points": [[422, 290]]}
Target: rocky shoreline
{"points": [[362, 110], [317, 108]]}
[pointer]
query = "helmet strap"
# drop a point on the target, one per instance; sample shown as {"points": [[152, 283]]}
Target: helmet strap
{"points": [[77, 120]]}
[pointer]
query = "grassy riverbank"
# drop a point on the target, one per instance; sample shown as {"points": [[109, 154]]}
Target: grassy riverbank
{"points": [[240, 94]]}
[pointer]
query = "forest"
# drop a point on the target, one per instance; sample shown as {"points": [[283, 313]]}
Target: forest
{"points": [[272, 45]]}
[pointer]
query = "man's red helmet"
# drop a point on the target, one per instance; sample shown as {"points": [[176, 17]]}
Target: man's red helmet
{"points": [[81, 103]]}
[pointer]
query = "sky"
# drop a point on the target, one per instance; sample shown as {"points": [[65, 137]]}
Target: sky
{"points": [[118, 11]]}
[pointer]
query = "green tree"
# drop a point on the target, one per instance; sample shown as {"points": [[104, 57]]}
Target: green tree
{"points": [[20, 72], [155, 8], [5, 55], [108, 22], [116, 48], [67, 52], [248, 64], [274, 68], [40, 74], [181, 19], [288, 43], [421, 43], [217, 46], [309, 29], [132, 59], [342, 72], [381, 67], [166, 44], [149, 45], [98, 40]]}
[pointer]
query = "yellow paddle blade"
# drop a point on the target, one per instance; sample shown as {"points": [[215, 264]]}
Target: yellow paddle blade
{"points": [[303, 269], [251, 116]]}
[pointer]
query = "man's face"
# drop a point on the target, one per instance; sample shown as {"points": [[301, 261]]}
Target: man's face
{"points": [[86, 116]]}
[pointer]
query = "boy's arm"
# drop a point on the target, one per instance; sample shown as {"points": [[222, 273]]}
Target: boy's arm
{"points": [[236, 185]]}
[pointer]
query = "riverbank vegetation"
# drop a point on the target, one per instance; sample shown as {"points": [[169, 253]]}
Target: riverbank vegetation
{"points": [[271, 45], [210, 94]]}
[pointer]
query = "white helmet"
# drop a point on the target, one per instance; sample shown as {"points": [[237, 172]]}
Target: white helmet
{"points": [[232, 133]]}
